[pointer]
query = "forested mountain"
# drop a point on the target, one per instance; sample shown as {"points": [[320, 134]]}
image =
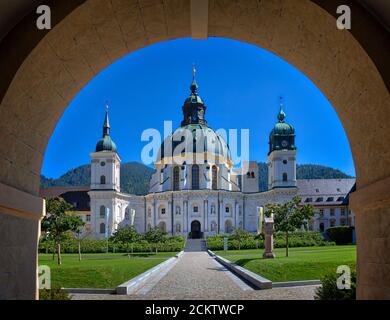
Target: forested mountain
{"points": [[135, 176]]}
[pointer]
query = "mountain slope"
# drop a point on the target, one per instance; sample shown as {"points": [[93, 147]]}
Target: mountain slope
{"points": [[135, 176], [304, 171]]}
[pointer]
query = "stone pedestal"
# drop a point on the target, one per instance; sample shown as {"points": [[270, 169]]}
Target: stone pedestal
{"points": [[20, 215], [268, 231]]}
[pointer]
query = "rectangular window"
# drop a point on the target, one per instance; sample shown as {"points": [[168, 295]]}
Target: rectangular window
{"points": [[227, 209], [195, 209], [321, 212], [342, 211], [332, 212], [163, 211], [88, 217]]}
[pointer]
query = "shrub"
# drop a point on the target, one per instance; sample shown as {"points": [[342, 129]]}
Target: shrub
{"points": [[251, 241], [329, 291], [53, 294], [168, 244], [341, 234]]}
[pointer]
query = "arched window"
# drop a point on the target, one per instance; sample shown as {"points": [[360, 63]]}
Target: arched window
{"points": [[102, 179], [178, 227], [213, 226], [252, 174], [127, 214], [102, 212], [214, 178], [162, 226], [149, 212], [284, 176], [178, 210], [195, 177], [176, 178], [102, 228], [228, 226], [212, 208]]}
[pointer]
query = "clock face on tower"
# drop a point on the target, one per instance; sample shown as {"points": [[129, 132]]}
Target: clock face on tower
{"points": [[284, 143]]}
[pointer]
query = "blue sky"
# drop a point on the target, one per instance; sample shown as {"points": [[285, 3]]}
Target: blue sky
{"points": [[240, 84]]}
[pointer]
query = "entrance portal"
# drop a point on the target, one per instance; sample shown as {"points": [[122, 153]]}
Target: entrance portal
{"points": [[195, 230]]}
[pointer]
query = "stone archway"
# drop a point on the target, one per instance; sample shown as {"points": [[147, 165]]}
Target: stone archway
{"points": [[91, 34]]}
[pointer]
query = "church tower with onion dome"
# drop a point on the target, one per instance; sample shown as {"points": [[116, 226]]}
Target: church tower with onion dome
{"points": [[105, 183], [282, 154]]}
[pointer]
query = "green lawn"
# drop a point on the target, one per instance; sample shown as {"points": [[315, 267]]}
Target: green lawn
{"points": [[307, 263], [99, 270]]}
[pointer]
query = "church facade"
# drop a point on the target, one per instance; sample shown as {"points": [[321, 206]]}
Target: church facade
{"points": [[195, 189]]}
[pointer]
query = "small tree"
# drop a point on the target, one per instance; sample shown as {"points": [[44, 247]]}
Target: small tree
{"points": [[240, 235], [155, 236], [58, 222], [126, 234], [290, 216], [80, 236]]}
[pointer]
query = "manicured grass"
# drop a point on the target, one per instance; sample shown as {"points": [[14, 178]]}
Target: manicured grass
{"points": [[99, 270], [307, 263]]}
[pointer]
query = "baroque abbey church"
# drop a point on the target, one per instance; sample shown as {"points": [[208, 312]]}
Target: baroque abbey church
{"points": [[198, 191]]}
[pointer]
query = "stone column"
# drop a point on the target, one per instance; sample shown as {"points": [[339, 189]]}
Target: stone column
{"points": [[268, 231], [371, 206], [206, 215], [235, 213], [185, 214], [171, 217], [221, 217], [154, 213], [20, 215]]}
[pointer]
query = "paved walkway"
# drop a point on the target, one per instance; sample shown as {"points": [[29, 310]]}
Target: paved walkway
{"points": [[198, 276]]}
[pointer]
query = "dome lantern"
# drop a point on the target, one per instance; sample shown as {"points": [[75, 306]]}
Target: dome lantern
{"points": [[194, 109]]}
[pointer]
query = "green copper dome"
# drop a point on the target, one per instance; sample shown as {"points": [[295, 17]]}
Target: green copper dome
{"points": [[282, 136], [196, 138], [283, 128], [106, 144]]}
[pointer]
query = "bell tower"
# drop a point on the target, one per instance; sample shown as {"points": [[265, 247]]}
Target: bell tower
{"points": [[281, 158], [105, 162]]}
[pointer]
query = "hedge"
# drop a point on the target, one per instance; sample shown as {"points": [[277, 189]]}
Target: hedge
{"points": [[100, 246], [296, 239], [341, 234]]}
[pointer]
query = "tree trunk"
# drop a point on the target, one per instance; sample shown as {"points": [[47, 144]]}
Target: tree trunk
{"points": [[54, 251], [79, 250], [59, 260], [286, 244]]}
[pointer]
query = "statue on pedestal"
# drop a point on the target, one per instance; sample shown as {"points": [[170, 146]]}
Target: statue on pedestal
{"points": [[268, 232]]}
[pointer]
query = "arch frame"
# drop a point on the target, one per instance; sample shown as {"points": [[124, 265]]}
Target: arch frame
{"points": [[354, 77]]}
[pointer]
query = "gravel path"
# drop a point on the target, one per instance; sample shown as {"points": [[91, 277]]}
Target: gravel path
{"points": [[198, 276]]}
